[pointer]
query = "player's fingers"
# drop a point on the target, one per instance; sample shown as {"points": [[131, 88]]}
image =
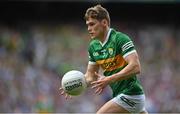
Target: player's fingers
{"points": [[98, 75], [98, 90], [66, 96], [62, 93], [96, 85], [61, 89], [96, 82]]}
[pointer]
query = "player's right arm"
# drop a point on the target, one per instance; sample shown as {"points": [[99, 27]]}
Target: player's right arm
{"points": [[92, 67], [90, 73]]}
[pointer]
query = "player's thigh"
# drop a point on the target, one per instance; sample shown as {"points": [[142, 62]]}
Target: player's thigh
{"points": [[111, 107]]}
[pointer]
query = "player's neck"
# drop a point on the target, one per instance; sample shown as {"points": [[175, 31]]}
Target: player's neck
{"points": [[104, 35]]}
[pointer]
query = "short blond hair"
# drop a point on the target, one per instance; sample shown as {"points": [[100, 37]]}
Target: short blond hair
{"points": [[97, 12]]}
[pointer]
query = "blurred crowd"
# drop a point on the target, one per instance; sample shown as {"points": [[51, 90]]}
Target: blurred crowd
{"points": [[34, 58]]}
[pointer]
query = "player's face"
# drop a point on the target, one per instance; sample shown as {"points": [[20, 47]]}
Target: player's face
{"points": [[95, 27]]}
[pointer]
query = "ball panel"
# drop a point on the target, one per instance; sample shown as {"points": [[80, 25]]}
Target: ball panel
{"points": [[73, 82]]}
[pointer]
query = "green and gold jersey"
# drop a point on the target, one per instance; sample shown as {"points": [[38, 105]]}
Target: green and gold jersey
{"points": [[110, 56]]}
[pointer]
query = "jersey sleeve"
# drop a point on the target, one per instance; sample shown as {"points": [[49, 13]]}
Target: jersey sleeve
{"points": [[91, 58], [126, 45]]}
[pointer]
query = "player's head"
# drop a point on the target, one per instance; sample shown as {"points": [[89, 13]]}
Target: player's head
{"points": [[97, 19]]}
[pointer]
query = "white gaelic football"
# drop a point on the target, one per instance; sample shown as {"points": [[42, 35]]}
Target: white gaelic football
{"points": [[73, 82]]}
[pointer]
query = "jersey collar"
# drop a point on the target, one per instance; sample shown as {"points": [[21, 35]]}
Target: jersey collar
{"points": [[107, 37]]}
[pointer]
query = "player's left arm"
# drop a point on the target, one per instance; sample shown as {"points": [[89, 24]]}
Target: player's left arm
{"points": [[133, 67]]}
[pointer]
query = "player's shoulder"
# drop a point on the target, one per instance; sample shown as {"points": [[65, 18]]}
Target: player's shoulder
{"points": [[94, 45], [120, 36], [93, 42]]}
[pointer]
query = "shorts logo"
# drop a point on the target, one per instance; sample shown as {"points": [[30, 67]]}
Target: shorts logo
{"points": [[127, 101]]}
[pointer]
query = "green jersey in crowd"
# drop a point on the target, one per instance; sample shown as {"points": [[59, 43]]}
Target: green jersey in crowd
{"points": [[110, 56]]}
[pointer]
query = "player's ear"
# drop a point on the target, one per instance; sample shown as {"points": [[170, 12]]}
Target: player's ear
{"points": [[104, 22]]}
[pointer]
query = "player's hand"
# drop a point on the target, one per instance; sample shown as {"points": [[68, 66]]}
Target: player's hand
{"points": [[63, 93], [100, 84]]}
